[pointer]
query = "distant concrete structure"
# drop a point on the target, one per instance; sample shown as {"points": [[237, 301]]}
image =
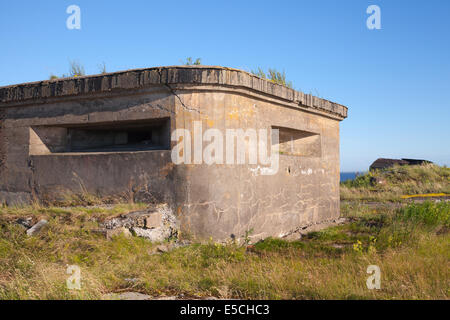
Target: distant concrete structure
{"points": [[383, 163], [110, 135]]}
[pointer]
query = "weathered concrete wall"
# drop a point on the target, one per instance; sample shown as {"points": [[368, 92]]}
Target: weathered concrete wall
{"points": [[217, 200], [27, 174], [230, 199], [121, 173]]}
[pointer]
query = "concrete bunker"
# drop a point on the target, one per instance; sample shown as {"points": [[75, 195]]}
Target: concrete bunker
{"points": [[111, 134]]}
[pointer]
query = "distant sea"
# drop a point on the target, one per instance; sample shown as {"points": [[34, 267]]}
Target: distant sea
{"points": [[350, 175]]}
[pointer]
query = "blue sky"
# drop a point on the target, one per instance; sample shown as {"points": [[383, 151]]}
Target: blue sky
{"points": [[395, 81]]}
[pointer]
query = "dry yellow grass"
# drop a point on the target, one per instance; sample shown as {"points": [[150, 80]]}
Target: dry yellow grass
{"points": [[393, 183], [412, 250]]}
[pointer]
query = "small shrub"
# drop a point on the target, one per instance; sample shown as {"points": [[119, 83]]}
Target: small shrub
{"points": [[102, 68], [358, 247], [273, 75], [212, 253], [190, 62], [361, 181], [427, 213], [76, 69]]}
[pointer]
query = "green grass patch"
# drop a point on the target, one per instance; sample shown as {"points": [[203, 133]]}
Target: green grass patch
{"points": [[428, 213], [409, 244]]}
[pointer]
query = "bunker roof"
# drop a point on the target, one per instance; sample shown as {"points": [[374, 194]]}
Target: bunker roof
{"points": [[171, 75]]}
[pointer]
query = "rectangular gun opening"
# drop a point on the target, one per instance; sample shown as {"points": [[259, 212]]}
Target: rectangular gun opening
{"points": [[301, 143], [139, 135]]}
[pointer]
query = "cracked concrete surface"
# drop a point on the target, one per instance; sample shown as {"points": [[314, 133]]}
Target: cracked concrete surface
{"points": [[219, 201]]}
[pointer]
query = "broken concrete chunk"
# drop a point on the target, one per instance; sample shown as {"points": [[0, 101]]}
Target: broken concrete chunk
{"points": [[153, 216], [154, 235], [157, 223], [25, 222], [36, 228], [154, 220]]}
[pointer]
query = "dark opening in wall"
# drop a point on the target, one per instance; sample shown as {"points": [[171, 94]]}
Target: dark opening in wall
{"points": [[301, 143], [102, 137]]}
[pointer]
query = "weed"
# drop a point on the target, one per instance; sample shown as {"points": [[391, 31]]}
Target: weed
{"points": [[409, 244], [274, 76]]}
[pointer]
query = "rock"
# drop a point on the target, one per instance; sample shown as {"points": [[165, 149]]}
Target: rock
{"points": [[36, 228], [154, 220], [25, 222], [118, 231], [157, 223], [126, 296], [154, 235], [224, 292]]}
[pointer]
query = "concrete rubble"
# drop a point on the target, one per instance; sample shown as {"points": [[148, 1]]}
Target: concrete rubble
{"points": [[36, 228], [25, 222], [157, 223]]}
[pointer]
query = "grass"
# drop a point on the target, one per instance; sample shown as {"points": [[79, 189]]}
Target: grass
{"points": [[410, 245], [274, 76], [395, 183]]}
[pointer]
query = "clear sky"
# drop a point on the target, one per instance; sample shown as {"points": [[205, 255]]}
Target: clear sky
{"points": [[395, 81]]}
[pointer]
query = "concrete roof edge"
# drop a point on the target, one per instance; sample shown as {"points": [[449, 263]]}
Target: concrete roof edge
{"points": [[138, 78]]}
